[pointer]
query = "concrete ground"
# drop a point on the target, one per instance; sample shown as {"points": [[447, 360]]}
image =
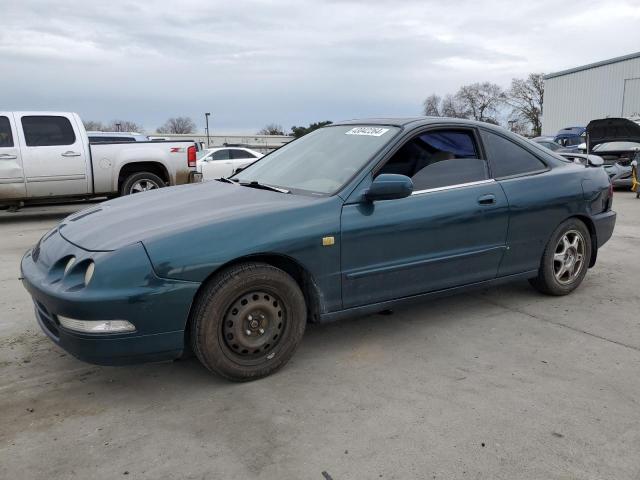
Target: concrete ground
{"points": [[500, 384]]}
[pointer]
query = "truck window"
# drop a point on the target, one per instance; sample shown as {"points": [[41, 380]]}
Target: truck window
{"points": [[6, 139], [40, 131]]}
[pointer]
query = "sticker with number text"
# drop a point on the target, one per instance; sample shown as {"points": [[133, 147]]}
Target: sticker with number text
{"points": [[368, 131]]}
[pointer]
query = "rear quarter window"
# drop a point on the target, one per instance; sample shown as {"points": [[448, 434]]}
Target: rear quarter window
{"points": [[507, 158]]}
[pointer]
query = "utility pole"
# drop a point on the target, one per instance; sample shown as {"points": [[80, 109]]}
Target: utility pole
{"points": [[206, 119]]}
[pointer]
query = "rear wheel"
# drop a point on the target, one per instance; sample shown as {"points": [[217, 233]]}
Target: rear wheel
{"points": [[565, 259], [141, 182], [248, 321]]}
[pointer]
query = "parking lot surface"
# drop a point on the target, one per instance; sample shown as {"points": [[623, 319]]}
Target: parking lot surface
{"points": [[500, 384]]}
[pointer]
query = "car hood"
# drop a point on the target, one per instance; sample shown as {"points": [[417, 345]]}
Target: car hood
{"points": [[158, 213], [607, 130]]}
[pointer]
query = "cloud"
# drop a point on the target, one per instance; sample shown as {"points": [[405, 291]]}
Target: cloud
{"points": [[292, 62]]}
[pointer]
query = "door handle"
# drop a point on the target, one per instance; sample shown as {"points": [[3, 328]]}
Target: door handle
{"points": [[7, 156], [71, 154], [488, 199]]}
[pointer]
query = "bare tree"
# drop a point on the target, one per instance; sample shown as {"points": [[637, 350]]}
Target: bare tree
{"points": [[431, 105], [453, 107], [123, 126], [447, 106], [526, 97], [271, 129], [481, 101], [178, 125], [93, 126], [519, 126]]}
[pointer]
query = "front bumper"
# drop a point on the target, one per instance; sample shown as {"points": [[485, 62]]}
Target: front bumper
{"points": [[124, 287]]}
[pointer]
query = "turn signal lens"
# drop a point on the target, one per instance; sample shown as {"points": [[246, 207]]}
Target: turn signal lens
{"points": [[97, 326]]}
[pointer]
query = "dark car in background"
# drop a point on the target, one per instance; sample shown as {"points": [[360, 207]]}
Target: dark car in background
{"points": [[351, 219], [617, 142]]}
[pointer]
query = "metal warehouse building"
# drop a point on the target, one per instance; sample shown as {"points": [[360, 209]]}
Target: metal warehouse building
{"points": [[573, 97]]}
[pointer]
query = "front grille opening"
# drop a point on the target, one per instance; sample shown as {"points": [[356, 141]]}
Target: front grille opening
{"points": [[47, 320]]}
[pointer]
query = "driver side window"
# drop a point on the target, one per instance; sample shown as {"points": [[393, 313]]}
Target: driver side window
{"points": [[439, 158]]}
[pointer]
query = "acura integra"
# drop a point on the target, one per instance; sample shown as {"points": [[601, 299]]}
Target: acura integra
{"points": [[351, 219]]}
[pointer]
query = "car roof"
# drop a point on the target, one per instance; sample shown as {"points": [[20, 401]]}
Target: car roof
{"points": [[412, 121]]}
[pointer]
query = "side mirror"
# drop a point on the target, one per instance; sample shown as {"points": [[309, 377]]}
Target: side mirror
{"points": [[595, 160], [389, 186]]}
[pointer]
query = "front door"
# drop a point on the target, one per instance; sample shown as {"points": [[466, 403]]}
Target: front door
{"points": [[11, 172], [217, 165], [450, 232], [53, 154]]}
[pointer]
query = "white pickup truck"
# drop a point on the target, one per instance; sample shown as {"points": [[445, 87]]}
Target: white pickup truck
{"points": [[47, 155]]}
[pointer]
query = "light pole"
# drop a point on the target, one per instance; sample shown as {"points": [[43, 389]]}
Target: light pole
{"points": [[206, 119]]}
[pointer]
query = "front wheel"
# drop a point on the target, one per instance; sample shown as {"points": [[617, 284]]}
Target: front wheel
{"points": [[248, 321], [141, 182], [565, 259]]}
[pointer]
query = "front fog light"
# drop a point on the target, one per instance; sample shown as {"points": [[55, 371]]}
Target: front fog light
{"points": [[97, 326]]}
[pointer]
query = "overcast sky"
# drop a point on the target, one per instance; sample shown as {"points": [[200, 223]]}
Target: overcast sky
{"points": [[290, 62]]}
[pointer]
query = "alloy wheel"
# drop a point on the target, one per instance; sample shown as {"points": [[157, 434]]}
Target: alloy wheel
{"points": [[143, 186], [568, 259]]}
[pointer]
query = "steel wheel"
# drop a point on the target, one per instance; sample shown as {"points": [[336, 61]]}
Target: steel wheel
{"points": [[253, 325], [569, 256], [143, 185]]}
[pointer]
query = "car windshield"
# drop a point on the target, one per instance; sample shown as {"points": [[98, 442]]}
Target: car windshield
{"points": [[616, 146], [321, 161]]}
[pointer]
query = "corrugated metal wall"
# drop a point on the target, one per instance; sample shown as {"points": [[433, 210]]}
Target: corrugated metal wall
{"points": [[576, 98]]}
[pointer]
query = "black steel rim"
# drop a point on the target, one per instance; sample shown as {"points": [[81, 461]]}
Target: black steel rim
{"points": [[253, 326]]}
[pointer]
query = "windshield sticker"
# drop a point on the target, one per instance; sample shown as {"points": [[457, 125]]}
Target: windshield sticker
{"points": [[368, 131]]}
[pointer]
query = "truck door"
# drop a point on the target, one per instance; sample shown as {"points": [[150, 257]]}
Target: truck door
{"points": [[53, 155], [11, 173]]}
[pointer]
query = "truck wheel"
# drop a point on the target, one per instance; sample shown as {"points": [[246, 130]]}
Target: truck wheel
{"points": [[565, 259], [141, 182], [248, 321]]}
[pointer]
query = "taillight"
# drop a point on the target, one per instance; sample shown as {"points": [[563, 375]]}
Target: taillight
{"points": [[191, 156]]}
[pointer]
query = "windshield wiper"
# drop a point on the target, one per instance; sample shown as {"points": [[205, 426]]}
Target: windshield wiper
{"points": [[224, 179], [264, 186]]}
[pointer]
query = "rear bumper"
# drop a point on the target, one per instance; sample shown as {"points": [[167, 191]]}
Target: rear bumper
{"points": [[195, 177], [604, 224]]}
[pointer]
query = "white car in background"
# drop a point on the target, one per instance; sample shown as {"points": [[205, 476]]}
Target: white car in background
{"points": [[225, 161]]}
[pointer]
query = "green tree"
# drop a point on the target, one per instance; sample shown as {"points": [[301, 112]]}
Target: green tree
{"points": [[301, 131], [271, 129]]}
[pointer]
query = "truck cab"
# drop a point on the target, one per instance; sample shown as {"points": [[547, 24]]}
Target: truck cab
{"points": [[47, 155]]}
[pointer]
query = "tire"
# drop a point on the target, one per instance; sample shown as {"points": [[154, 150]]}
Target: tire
{"points": [[141, 182], [248, 321], [565, 259]]}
